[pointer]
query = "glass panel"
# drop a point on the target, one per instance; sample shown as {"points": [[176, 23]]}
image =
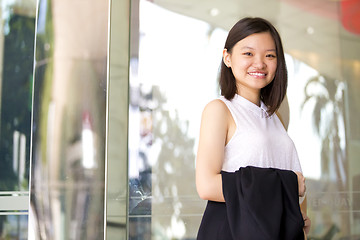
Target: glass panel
{"points": [[17, 27], [69, 120], [321, 123], [164, 116], [14, 227], [17, 31], [174, 74]]}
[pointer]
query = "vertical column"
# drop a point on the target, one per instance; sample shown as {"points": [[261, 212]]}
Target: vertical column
{"points": [[118, 96], [69, 120]]}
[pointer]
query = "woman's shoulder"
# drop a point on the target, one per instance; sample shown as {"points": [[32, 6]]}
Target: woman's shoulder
{"points": [[216, 106], [216, 111]]}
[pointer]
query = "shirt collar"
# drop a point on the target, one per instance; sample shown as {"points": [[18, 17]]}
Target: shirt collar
{"points": [[258, 111]]}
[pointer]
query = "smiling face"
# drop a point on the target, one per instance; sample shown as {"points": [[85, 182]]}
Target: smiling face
{"points": [[253, 62]]}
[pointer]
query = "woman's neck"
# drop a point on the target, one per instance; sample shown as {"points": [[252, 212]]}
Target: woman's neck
{"points": [[251, 96]]}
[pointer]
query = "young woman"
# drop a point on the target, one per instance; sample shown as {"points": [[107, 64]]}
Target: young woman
{"points": [[242, 127]]}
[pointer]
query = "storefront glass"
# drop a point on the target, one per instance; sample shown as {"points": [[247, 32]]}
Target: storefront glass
{"points": [[173, 74], [118, 102], [67, 190]]}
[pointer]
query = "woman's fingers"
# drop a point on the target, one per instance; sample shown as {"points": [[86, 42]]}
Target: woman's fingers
{"points": [[307, 223]]}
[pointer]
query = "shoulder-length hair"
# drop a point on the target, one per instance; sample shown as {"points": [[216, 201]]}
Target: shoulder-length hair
{"points": [[273, 94]]}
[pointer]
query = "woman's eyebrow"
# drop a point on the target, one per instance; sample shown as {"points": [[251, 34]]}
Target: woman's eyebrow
{"points": [[247, 48], [250, 48]]}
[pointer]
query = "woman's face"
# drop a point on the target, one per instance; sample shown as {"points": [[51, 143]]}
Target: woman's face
{"points": [[253, 62]]}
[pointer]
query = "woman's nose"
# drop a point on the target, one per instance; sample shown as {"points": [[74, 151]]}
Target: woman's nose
{"points": [[259, 63]]}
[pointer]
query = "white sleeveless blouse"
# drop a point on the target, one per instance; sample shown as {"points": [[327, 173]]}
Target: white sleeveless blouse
{"points": [[259, 140]]}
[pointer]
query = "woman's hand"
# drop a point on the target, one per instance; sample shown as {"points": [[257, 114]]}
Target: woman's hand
{"points": [[307, 222], [301, 182]]}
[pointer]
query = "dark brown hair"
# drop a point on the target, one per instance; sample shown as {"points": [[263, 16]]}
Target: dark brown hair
{"points": [[273, 94]]}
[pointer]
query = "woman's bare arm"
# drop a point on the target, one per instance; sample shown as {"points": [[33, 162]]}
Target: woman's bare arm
{"points": [[213, 132]]}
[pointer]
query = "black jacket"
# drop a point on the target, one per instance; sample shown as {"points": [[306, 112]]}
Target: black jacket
{"points": [[261, 204]]}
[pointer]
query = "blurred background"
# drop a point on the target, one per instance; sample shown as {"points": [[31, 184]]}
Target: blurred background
{"points": [[100, 108]]}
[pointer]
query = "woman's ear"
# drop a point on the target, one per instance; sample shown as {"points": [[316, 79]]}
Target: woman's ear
{"points": [[226, 58]]}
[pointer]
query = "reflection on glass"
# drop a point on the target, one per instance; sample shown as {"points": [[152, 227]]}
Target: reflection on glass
{"points": [[140, 181], [69, 121], [173, 75], [328, 122], [319, 127], [17, 29], [14, 227], [164, 115], [17, 49]]}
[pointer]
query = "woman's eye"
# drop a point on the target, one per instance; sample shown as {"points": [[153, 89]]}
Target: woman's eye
{"points": [[247, 54], [271, 56]]}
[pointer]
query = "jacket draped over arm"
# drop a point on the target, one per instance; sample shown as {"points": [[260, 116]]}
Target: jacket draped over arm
{"points": [[260, 203]]}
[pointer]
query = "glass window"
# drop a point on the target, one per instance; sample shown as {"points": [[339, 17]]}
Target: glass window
{"points": [[172, 78], [17, 48], [173, 73], [14, 227], [17, 30], [69, 120]]}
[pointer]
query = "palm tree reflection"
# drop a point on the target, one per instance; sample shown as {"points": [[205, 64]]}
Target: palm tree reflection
{"points": [[165, 183], [328, 118], [326, 95]]}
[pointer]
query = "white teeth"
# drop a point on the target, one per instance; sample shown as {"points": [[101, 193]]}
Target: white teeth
{"points": [[257, 74]]}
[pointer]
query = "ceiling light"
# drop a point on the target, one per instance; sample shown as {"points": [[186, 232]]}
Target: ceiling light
{"points": [[214, 12], [310, 30]]}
